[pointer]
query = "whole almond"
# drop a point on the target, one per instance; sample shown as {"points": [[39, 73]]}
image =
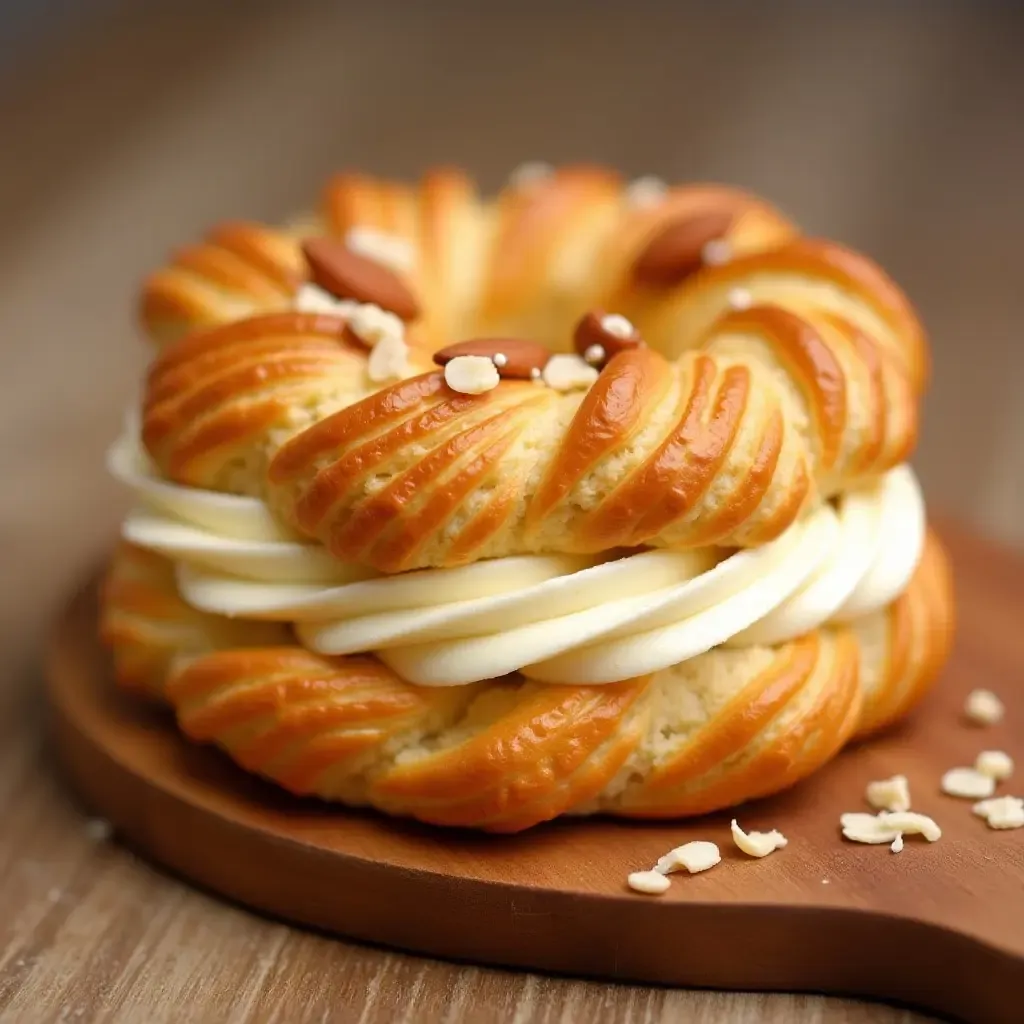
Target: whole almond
{"points": [[675, 252], [599, 336], [523, 359], [347, 275]]}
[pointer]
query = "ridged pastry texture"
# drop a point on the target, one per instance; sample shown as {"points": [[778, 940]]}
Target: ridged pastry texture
{"points": [[778, 371], [150, 630], [725, 727], [720, 432]]}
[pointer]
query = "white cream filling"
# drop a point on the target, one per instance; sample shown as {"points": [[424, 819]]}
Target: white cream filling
{"points": [[555, 618]]}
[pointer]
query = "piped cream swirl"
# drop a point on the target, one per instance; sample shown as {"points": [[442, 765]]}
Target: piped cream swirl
{"points": [[555, 618]]}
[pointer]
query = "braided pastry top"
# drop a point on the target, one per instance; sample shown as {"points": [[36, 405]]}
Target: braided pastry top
{"points": [[726, 426]]}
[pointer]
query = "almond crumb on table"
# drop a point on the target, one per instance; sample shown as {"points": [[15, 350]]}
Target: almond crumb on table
{"points": [[651, 883], [983, 707], [968, 783], [757, 844], [887, 826], [694, 857], [891, 794], [996, 764], [1002, 812]]}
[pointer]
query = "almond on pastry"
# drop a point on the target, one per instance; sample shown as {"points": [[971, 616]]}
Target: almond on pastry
{"points": [[471, 375], [514, 358], [599, 336], [568, 373], [347, 275]]}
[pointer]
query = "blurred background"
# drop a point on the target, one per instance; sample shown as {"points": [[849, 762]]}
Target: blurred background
{"points": [[127, 128]]}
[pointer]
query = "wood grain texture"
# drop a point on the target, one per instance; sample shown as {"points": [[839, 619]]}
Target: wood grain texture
{"points": [[554, 897], [89, 932]]}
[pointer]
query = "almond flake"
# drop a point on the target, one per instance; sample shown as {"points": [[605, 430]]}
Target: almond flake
{"points": [[617, 326], [696, 856], [568, 373], [1001, 812], [911, 823], [393, 252], [757, 844], [983, 707], [652, 883], [996, 764], [311, 298], [471, 375], [866, 828], [530, 173], [739, 298], [889, 794], [646, 191], [968, 783], [389, 360], [886, 826], [372, 325], [716, 252]]}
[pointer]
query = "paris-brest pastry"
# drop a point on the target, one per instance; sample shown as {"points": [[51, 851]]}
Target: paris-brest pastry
{"points": [[591, 497]]}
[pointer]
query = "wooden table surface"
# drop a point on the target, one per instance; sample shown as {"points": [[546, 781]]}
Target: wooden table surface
{"points": [[90, 932]]}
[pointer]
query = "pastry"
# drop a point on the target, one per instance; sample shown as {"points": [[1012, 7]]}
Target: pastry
{"points": [[589, 498]]}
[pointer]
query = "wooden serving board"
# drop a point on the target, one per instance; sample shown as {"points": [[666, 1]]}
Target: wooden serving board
{"points": [[939, 926]]}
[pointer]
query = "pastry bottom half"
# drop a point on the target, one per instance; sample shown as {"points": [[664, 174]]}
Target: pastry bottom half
{"points": [[503, 755]]}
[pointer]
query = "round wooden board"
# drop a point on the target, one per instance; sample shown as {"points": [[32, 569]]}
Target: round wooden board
{"points": [[939, 926]]}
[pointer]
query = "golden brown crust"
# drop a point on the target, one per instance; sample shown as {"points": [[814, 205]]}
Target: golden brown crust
{"points": [[695, 215], [506, 754], [705, 450], [238, 270], [151, 630], [811, 388], [779, 370], [298, 718], [216, 398], [918, 633], [810, 684], [641, 459]]}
